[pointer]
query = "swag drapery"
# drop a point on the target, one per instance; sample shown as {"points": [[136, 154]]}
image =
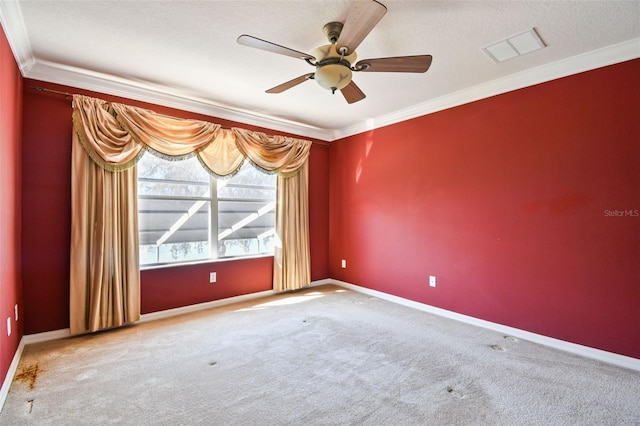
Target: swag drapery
{"points": [[108, 139]]}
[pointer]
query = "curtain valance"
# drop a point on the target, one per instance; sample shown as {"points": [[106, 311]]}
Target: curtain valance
{"points": [[116, 135]]}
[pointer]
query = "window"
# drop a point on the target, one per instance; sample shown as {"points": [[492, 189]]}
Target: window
{"points": [[185, 214]]}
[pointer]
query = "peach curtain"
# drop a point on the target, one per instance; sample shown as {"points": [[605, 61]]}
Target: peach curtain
{"points": [[104, 254], [292, 265], [104, 269]]}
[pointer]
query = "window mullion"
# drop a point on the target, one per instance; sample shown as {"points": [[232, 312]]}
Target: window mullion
{"points": [[213, 219]]}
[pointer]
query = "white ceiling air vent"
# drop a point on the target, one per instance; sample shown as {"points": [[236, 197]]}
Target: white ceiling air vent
{"points": [[514, 46]]}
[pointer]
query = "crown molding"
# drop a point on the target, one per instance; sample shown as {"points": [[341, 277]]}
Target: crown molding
{"points": [[13, 25], [161, 95], [610, 55]]}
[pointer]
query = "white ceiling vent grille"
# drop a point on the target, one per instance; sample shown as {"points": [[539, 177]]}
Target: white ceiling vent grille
{"points": [[516, 45]]}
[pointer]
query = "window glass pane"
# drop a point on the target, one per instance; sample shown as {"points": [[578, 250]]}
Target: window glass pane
{"points": [[173, 230], [179, 215], [157, 176], [246, 213], [174, 207]]}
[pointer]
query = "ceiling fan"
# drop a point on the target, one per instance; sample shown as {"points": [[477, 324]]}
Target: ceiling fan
{"points": [[333, 62]]}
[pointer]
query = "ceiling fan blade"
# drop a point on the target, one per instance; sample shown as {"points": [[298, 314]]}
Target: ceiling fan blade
{"points": [[291, 83], [363, 16], [419, 63], [247, 40], [352, 93]]}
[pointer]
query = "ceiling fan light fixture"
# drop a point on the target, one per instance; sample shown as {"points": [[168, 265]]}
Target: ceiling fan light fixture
{"points": [[333, 70], [333, 76]]}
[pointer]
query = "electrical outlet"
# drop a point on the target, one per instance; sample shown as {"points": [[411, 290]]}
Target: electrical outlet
{"points": [[344, 263], [432, 281], [212, 277], [8, 326]]}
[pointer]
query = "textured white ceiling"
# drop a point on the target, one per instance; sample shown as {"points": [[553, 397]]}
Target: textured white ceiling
{"points": [[187, 51]]}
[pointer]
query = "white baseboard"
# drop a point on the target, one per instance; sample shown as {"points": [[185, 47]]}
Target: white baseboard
{"points": [[46, 336], [13, 367], [201, 306], [322, 282], [585, 351]]}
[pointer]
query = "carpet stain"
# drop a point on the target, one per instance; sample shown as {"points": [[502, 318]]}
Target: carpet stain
{"points": [[510, 338], [30, 402], [497, 348], [212, 363], [455, 392], [29, 375]]}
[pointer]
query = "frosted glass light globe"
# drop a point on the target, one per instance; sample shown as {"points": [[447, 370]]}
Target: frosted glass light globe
{"points": [[333, 76]]}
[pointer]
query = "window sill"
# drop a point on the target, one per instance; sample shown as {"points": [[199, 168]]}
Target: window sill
{"points": [[201, 262]]}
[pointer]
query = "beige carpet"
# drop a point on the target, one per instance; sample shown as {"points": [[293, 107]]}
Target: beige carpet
{"points": [[323, 356]]}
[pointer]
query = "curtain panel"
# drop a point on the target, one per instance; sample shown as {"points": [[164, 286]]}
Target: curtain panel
{"points": [[108, 140]]}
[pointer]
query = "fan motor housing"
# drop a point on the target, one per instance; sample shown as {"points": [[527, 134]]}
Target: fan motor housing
{"points": [[332, 30]]}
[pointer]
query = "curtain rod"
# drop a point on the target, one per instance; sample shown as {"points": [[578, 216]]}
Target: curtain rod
{"points": [[68, 96], [57, 92]]}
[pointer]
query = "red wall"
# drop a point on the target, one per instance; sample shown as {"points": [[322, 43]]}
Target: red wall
{"points": [[46, 216], [319, 211], [174, 287], [504, 201], [10, 198]]}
